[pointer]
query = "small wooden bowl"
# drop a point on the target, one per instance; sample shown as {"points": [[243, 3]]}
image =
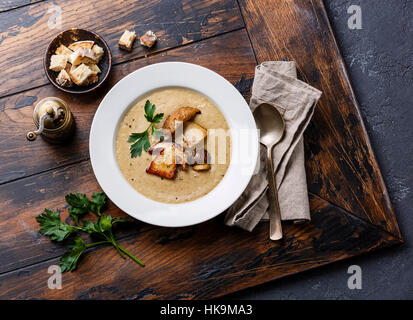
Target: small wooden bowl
{"points": [[68, 37]]}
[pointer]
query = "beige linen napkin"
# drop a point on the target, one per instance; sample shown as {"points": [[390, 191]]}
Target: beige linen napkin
{"points": [[276, 82]]}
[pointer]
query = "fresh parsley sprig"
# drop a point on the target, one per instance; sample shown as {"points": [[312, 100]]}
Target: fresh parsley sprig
{"points": [[80, 204], [52, 226], [141, 139]]}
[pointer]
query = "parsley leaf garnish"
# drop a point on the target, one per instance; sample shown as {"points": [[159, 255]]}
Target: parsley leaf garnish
{"points": [[80, 204], [141, 139], [53, 227], [68, 262], [98, 202]]}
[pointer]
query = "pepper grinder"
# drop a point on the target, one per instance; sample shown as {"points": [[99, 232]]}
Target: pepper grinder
{"points": [[54, 121]]}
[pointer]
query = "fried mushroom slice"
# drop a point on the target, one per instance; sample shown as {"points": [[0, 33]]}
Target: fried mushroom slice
{"points": [[201, 160], [202, 167], [180, 115]]}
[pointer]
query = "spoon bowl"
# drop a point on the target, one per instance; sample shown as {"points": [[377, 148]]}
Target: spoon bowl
{"points": [[270, 123], [272, 126]]}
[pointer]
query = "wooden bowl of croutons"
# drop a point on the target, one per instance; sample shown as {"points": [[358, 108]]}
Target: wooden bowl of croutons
{"points": [[77, 61]]}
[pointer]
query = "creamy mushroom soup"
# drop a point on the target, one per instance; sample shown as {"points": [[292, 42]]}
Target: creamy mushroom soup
{"points": [[187, 184]]}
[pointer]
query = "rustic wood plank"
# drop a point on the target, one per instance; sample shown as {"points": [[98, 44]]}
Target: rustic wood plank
{"points": [[230, 55], [20, 243], [209, 259], [6, 5], [176, 23], [341, 165]]}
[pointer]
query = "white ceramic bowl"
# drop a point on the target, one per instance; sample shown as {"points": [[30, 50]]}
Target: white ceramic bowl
{"points": [[134, 87]]}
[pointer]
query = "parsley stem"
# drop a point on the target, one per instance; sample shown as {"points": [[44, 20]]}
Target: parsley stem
{"points": [[96, 243], [115, 244], [130, 255]]}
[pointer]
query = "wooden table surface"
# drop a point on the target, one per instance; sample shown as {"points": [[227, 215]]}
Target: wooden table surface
{"points": [[350, 206]]}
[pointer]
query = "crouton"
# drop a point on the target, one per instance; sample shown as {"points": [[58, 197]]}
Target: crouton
{"points": [[94, 67], [57, 62], [161, 167], [98, 51], [88, 44], [93, 78], [68, 67], [179, 116], [81, 74], [193, 134], [148, 39], [126, 40], [171, 151], [64, 51], [63, 79], [82, 55]]}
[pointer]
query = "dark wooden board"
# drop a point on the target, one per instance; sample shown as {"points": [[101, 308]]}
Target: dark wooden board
{"points": [[13, 4], [48, 189], [229, 55], [351, 211], [341, 166], [175, 23], [209, 259]]}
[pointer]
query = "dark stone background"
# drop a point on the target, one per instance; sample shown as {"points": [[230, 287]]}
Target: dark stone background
{"points": [[379, 60]]}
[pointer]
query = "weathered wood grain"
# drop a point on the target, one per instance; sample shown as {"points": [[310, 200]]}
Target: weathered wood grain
{"points": [[229, 55], [13, 4], [23, 200], [341, 166], [209, 260], [176, 23]]}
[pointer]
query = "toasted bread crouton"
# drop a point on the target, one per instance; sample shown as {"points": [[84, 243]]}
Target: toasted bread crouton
{"points": [[68, 67], [57, 62], [126, 40], [64, 51], [148, 39], [164, 162], [193, 134], [63, 79], [202, 167], [88, 44], [94, 67], [160, 166], [81, 74], [171, 151], [179, 116], [82, 55], [93, 78], [98, 51]]}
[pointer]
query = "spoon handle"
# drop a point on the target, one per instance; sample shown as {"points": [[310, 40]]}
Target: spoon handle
{"points": [[274, 213]]}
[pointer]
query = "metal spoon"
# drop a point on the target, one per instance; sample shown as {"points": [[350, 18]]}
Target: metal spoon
{"points": [[271, 125]]}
